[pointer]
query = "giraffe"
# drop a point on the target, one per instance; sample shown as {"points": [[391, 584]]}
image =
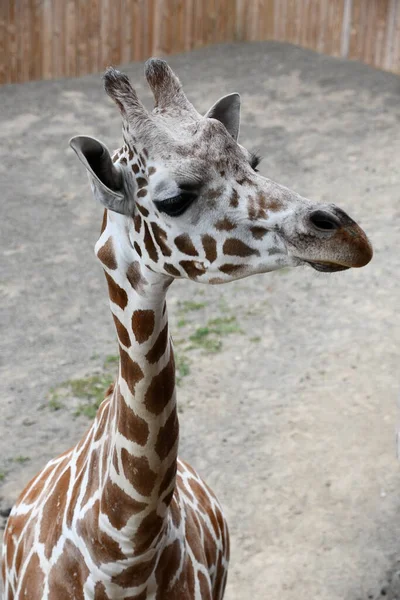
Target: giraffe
{"points": [[120, 516]]}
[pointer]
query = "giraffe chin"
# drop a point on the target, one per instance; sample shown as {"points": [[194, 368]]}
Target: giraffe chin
{"points": [[326, 267]]}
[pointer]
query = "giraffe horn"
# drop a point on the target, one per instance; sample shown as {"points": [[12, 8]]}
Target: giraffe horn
{"points": [[119, 88], [165, 85]]}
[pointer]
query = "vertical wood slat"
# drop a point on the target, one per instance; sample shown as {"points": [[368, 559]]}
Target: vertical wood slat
{"points": [[43, 39]]}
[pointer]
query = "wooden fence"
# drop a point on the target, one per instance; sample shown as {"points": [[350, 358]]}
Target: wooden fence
{"points": [[44, 39]]}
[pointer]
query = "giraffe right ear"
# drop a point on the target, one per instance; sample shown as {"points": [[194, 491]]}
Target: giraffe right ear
{"points": [[227, 110], [110, 185]]}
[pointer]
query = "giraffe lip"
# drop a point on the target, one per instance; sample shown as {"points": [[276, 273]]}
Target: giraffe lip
{"points": [[326, 267]]}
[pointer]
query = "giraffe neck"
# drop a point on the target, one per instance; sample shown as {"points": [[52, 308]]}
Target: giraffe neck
{"points": [[141, 435]]}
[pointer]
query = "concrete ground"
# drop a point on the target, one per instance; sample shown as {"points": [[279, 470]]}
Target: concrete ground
{"points": [[292, 417]]}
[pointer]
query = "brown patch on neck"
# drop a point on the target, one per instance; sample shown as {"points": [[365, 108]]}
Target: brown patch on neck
{"points": [[130, 370], [137, 470], [104, 223], [117, 294], [133, 427], [143, 324], [161, 388], [147, 531], [118, 506], [149, 244], [135, 277], [235, 247], [136, 574], [159, 347], [122, 332], [107, 255], [167, 436], [102, 547], [210, 247], [185, 245]]}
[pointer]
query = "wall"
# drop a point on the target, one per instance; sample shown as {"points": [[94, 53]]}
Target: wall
{"points": [[44, 39]]}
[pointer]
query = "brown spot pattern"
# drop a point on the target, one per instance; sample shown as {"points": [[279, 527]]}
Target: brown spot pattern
{"points": [[117, 294], [138, 223], [136, 574], [143, 324], [167, 567], [167, 436], [135, 169], [148, 242], [53, 512], [168, 479], [104, 223], [33, 580], [130, 370], [135, 277], [232, 269], [118, 506], [141, 182], [159, 347], [234, 199], [100, 592], [122, 332], [185, 245], [205, 588], [142, 209], [102, 547], [171, 270], [137, 248], [258, 232], [151, 170], [235, 247], [210, 247], [193, 270], [161, 388], [225, 225], [137, 470], [161, 238], [131, 426], [66, 576], [147, 531]]}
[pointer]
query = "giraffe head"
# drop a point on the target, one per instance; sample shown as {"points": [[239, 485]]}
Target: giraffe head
{"points": [[192, 201]]}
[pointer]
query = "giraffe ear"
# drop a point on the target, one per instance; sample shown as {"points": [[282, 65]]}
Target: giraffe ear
{"points": [[227, 110], [110, 185]]}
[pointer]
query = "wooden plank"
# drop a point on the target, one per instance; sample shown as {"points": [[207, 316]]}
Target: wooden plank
{"points": [[4, 42], [381, 32], [47, 39], [395, 62], [71, 38], [94, 36], [105, 41]]}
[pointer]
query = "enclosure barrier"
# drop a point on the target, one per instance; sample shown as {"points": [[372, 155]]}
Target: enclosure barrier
{"points": [[46, 39]]}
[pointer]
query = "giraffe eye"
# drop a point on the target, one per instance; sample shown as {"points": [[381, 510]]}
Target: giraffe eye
{"points": [[176, 206]]}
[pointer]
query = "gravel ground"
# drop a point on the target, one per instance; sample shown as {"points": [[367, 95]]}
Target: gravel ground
{"points": [[289, 404]]}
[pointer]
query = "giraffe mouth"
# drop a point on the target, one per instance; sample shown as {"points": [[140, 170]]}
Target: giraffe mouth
{"points": [[326, 267]]}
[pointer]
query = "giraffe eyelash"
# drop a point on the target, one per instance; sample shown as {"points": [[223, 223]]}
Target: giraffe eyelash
{"points": [[255, 160]]}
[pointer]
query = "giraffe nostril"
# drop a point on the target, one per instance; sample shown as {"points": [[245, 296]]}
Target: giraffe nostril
{"points": [[324, 221]]}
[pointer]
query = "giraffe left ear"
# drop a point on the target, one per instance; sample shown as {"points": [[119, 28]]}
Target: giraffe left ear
{"points": [[110, 185], [227, 110]]}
